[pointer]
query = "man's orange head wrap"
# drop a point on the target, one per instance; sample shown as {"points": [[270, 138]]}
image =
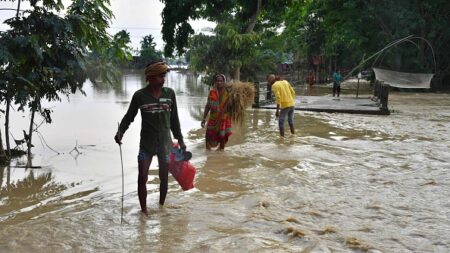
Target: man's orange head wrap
{"points": [[155, 69]]}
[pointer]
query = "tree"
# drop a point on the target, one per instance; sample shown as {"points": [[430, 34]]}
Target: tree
{"points": [[346, 31], [102, 63], [240, 23], [148, 52], [224, 52], [45, 55]]}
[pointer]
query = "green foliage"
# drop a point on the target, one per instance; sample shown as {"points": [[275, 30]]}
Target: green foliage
{"points": [[46, 55], [346, 31], [237, 13], [343, 32], [223, 52], [147, 52], [238, 39], [102, 62], [43, 62], [50, 51]]}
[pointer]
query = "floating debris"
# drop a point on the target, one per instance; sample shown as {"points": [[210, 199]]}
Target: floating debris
{"points": [[374, 206], [355, 243], [431, 182], [327, 230], [173, 206], [295, 232], [264, 204], [292, 219], [313, 213], [366, 229]]}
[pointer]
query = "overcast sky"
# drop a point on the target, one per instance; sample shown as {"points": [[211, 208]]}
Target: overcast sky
{"points": [[138, 17]]}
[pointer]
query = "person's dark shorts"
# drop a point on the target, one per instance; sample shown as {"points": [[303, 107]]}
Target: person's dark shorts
{"points": [[144, 155], [336, 87]]}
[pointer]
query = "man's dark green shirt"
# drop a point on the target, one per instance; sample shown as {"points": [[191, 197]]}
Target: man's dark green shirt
{"points": [[159, 117]]}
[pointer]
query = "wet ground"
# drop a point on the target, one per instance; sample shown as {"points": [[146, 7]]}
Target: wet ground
{"points": [[331, 104], [342, 183]]}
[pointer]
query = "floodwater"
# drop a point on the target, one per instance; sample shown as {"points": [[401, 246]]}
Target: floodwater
{"points": [[342, 183]]}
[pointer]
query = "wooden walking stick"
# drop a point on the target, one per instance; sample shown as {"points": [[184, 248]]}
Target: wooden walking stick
{"points": [[121, 162]]}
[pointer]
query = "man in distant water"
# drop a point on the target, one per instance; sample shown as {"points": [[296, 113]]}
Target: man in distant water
{"points": [[337, 79], [285, 100], [159, 114], [311, 78]]}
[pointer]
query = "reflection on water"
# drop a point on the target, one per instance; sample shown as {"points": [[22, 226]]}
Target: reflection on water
{"points": [[221, 174], [342, 183], [21, 196]]}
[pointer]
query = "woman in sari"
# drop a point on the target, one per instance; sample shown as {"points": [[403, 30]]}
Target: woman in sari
{"points": [[218, 128]]}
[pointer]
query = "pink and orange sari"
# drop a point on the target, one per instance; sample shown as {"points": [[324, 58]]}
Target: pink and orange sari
{"points": [[219, 123]]}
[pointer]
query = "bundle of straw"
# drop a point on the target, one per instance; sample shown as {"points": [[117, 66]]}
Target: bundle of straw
{"points": [[242, 96]]}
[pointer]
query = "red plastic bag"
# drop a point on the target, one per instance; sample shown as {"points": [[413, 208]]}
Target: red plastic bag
{"points": [[182, 171]]}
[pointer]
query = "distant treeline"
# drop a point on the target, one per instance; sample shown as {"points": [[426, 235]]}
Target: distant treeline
{"points": [[256, 36]]}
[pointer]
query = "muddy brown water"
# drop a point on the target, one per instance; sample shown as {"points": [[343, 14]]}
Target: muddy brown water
{"points": [[342, 183]]}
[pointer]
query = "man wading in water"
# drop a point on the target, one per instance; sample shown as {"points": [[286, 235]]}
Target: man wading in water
{"points": [[159, 114], [285, 100]]}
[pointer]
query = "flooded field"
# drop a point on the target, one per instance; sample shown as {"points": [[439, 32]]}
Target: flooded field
{"points": [[342, 183]]}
